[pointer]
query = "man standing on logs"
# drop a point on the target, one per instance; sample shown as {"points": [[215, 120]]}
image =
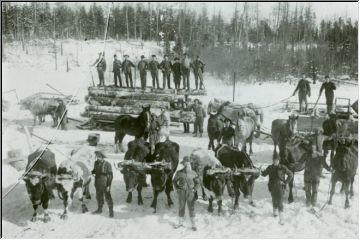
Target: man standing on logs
{"points": [[154, 65], [126, 67], [166, 66], [176, 68], [185, 69], [100, 65], [198, 67], [143, 67], [117, 71], [304, 90], [329, 93]]}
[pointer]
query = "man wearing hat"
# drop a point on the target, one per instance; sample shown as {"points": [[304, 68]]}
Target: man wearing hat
{"points": [[153, 66], [198, 67], [329, 93], [143, 66], [228, 134], [200, 114], [187, 106], [103, 178], [176, 68], [186, 182], [166, 66], [117, 71], [100, 65], [126, 67], [277, 184], [185, 69], [304, 90]]}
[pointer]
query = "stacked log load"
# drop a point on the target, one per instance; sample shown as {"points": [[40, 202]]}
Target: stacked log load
{"points": [[105, 104]]}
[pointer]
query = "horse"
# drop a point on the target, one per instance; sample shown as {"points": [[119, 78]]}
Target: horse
{"points": [[333, 128], [345, 164], [281, 131], [244, 132], [134, 126], [259, 116], [296, 152], [214, 128]]}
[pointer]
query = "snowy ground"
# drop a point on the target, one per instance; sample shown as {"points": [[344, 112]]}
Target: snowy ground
{"points": [[247, 222]]}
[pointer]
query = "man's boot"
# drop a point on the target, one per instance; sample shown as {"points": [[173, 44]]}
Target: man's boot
{"points": [[195, 135], [193, 225], [180, 222], [281, 218], [98, 211], [111, 212], [200, 135], [275, 214]]}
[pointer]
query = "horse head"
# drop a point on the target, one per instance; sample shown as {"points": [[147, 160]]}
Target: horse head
{"points": [[292, 123], [145, 116]]}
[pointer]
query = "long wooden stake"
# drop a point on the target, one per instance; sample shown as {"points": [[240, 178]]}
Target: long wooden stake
{"points": [[234, 87]]}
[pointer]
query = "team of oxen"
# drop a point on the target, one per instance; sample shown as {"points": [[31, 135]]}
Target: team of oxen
{"points": [[228, 169]]}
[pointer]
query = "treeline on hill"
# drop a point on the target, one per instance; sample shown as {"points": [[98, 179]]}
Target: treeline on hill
{"points": [[251, 45]]}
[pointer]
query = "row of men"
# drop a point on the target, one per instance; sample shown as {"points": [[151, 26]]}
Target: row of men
{"points": [[177, 68], [304, 90]]}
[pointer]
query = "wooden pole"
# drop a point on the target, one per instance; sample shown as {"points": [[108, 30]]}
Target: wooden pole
{"points": [[234, 87]]}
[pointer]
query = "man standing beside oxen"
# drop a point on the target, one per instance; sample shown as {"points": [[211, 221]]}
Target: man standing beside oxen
{"points": [[329, 93], [186, 182], [103, 178], [277, 184], [200, 114], [304, 91]]}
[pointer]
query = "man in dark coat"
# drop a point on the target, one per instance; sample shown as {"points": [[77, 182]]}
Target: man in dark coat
{"points": [[315, 161], [186, 182], [304, 90], [117, 71], [187, 106], [153, 66], [60, 111], [228, 134], [103, 178], [176, 68], [143, 67], [166, 66], [126, 68], [185, 69], [100, 65], [198, 67], [277, 184], [200, 114], [329, 93]]}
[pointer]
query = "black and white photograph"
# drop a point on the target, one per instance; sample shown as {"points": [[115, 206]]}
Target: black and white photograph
{"points": [[176, 120]]}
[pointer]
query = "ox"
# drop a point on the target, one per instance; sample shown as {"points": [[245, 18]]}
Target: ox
{"points": [[40, 179], [167, 156], [345, 164], [199, 159], [244, 172], [134, 172], [72, 175], [40, 108]]}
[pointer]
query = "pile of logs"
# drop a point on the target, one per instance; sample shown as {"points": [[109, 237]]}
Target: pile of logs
{"points": [[106, 103]]}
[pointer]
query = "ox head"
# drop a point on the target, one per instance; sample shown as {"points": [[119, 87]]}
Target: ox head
{"points": [[246, 178], [35, 185], [217, 179], [160, 173], [66, 177], [133, 174]]}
